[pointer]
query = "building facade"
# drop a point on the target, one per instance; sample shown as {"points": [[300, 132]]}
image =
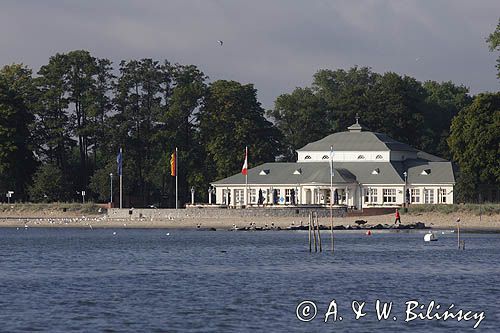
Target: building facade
{"points": [[356, 168]]}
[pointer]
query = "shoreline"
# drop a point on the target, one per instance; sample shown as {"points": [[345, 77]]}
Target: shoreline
{"points": [[435, 221]]}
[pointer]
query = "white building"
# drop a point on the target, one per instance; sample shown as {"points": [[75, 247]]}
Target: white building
{"points": [[369, 170]]}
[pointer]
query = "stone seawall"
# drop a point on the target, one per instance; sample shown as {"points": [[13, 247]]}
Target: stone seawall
{"points": [[218, 212]]}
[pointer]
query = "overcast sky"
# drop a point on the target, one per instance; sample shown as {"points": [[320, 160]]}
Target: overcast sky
{"points": [[276, 45]]}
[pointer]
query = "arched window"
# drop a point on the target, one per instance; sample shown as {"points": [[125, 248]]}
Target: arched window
{"points": [[379, 157], [325, 157], [307, 157], [361, 157]]}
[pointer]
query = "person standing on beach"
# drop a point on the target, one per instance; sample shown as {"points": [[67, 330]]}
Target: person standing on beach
{"points": [[398, 218]]}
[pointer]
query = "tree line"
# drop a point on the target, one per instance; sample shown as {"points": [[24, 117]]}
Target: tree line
{"points": [[61, 128]]}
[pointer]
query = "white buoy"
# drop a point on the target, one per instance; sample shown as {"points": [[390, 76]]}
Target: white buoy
{"points": [[114, 232], [168, 234], [430, 237]]}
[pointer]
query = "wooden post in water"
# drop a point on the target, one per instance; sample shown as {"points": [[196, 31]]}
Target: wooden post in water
{"points": [[314, 234], [458, 233], [319, 235], [331, 221], [331, 193], [310, 244]]}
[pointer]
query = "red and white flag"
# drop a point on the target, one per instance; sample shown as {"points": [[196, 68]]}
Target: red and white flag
{"points": [[244, 169]]}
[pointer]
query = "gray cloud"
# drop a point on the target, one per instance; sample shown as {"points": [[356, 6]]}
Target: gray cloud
{"points": [[277, 45]]}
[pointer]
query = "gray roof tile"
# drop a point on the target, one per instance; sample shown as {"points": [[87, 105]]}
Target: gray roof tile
{"points": [[357, 141], [346, 173]]}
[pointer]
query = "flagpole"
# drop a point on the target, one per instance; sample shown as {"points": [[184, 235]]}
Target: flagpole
{"points": [[121, 179], [176, 181], [246, 177], [331, 192]]}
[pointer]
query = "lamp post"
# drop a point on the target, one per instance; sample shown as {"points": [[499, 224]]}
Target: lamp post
{"points": [[111, 189], [192, 195], [405, 203], [210, 191]]}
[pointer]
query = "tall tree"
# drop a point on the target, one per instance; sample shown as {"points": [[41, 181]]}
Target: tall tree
{"points": [[443, 102], [493, 41], [396, 106], [17, 94], [74, 102], [474, 144], [399, 106], [140, 91], [187, 95], [299, 116], [230, 119], [80, 84], [54, 138], [345, 92]]}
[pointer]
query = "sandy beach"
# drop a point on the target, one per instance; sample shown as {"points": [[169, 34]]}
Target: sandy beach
{"points": [[468, 222]]}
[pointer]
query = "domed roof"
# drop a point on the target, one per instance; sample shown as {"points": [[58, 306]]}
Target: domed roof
{"points": [[357, 138]]}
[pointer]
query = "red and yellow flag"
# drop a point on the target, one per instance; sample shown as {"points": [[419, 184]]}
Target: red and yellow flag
{"points": [[173, 164]]}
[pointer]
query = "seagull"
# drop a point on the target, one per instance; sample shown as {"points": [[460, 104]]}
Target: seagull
{"points": [[220, 42]]}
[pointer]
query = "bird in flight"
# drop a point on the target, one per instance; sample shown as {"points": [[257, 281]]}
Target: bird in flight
{"points": [[220, 42]]}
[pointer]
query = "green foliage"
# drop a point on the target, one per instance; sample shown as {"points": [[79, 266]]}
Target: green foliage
{"points": [[399, 106], [142, 88], [493, 41], [72, 111], [230, 119], [49, 184], [296, 115], [475, 145], [75, 115], [16, 121], [100, 183], [476, 209], [443, 102]]}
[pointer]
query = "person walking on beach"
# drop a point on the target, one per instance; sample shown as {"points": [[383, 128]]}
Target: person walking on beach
{"points": [[398, 218]]}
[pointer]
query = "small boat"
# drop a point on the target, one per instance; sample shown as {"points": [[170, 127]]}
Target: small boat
{"points": [[430, 237]]}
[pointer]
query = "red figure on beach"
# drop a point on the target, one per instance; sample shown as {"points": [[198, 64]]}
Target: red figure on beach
{"points": [[398, 218]]}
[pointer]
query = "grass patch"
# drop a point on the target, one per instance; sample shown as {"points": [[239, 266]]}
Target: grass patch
{"points": [[87, 208], [476, 209]]}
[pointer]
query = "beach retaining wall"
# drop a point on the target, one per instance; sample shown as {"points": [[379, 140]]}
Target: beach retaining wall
{"points": [[217, 212]]}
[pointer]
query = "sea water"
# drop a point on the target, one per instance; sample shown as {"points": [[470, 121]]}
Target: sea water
{"points": [[154, 280]]}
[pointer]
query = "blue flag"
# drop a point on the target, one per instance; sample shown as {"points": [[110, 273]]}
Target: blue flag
{"points": [[119, 163]]}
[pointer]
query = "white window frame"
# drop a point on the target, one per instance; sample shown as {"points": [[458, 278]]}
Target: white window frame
{"points": [[253, 195], [225, 193], [366, 195], [415, 195], [374, 195], [370, 196], [428, 195], [288, 195], [389, 195], [239, 197], [442, 192]]}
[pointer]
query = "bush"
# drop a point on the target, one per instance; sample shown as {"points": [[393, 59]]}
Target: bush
{"points": [[476, 209], [48, 185]]}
